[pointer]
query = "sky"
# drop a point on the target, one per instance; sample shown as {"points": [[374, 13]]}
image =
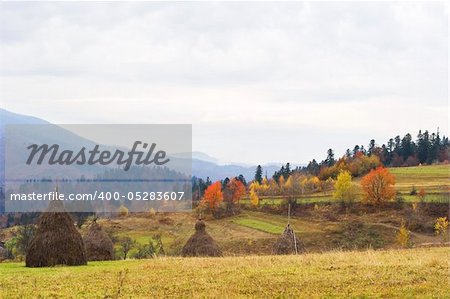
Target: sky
{"points": [[259, 82]]}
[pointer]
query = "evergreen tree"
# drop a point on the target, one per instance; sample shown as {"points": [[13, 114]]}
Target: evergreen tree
{"points": [[371, 147], [423, 146], [348, 153], [329, 161], [258, 174], [407, 146]]}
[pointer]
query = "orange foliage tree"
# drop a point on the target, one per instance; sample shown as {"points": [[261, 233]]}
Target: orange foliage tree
{"points": [[237, 189], [213, 196], [378, 185], [234, 191]]}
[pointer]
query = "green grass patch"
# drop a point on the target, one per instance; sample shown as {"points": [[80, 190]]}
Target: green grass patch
{"points": [[259, 225]]}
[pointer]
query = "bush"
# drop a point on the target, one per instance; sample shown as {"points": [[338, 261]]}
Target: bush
{"points": [[126, 244], [441, 228], [403, 236], [399, 200], [150, 250]]}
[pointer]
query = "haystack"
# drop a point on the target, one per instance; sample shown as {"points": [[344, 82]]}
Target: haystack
{"points": [[57, 241], [201, 243], [99, 246], [288, 243]]}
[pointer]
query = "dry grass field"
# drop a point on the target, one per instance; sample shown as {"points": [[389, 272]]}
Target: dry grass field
{"points": [[414, 273]]}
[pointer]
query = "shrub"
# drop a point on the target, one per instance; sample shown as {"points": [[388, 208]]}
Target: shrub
{"points": [[126, 244], [421, 195], [403, 236], [441, 228], [153, 248], [399, 200]]}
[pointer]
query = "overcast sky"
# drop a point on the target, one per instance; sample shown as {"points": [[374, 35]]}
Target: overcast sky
{"points": [[260, 82]]}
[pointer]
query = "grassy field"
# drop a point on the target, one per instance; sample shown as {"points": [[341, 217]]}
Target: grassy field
{"points": [[253, 232], [420, 273], [260, 225], [248, 269], [433, 178]]}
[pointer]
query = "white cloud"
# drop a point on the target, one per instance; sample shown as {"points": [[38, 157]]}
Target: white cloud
{"points": [[247, 75]]}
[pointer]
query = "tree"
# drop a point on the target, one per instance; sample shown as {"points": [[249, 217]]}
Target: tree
{"points": [[329, 161], [423, 146], [403, 236], [25, 234], [378, 186], [441, 227], [345, 190], [258, 174], [371, 147], [407, 146], [233, 193], [237, 189], [254, 187], [213, 196], [126, 244]]}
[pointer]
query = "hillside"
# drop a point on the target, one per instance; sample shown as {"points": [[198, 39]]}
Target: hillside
{"points": [[374, 274]]}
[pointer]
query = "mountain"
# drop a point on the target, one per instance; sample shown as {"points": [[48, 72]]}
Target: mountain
{"points": [[204, 169], [203, 165]]}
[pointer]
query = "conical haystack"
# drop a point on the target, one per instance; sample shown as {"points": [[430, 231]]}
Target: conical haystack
{"points": [[57, 241], [288, 243], [201, 243], [99, 246]]}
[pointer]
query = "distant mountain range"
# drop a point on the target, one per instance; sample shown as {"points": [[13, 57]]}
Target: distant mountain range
{"points": [[203, 165]]}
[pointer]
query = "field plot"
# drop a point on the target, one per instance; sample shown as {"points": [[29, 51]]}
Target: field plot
{"points": [[433, 178]]}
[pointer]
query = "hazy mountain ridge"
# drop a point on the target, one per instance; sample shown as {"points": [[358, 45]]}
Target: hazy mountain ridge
{"points": [[203, 165]]}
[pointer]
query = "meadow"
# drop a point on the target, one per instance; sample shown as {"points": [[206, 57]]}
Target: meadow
{"points": [[369, 274], [350, 253]]}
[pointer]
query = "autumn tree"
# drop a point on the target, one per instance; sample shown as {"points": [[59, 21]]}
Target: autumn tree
{"points": [[213, 197], [254, 188], [403, 237], [345, 189], [237, 189], [234, 191], [441, 228], [378, 186]]}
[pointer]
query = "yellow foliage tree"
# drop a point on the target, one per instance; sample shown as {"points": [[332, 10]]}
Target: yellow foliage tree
{"points": [[273, 187], [254, 199], [441, 227], [345, 190], [264, 187], [254, 187], [403, 236]]}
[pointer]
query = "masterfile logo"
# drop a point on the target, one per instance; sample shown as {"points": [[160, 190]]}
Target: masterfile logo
{"points": [[95, 156], [98, 168]]}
